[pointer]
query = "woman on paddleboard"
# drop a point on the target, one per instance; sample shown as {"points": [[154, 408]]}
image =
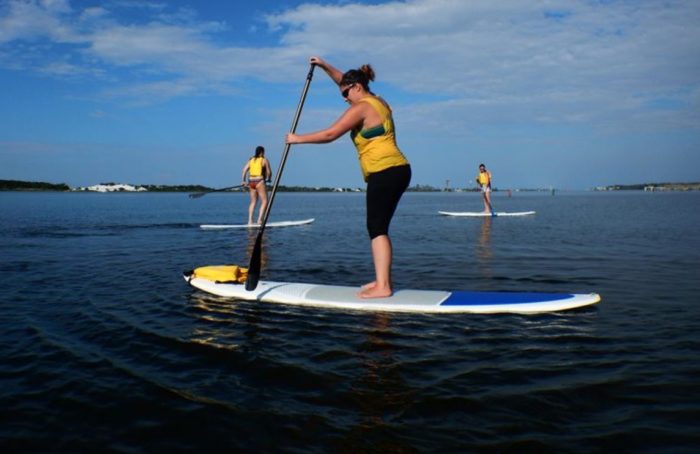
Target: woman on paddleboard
{"points": [[258, 170], [384, 167], [484, 181]]}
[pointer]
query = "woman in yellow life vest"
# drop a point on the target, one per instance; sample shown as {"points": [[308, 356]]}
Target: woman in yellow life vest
{"points": [[384, 167], [258, 170], [484, 181]]}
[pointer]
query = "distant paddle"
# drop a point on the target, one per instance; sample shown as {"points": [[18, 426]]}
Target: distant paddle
{"points": [[197, 195], [254, 267]]}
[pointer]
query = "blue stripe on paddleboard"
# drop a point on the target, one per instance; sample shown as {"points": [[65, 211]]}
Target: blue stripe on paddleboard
{"points": [[490, 298]]}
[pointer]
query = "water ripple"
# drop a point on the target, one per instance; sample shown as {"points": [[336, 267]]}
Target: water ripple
{"points": [[105, 347]]}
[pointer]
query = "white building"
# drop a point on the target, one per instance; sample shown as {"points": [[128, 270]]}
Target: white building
{"points": [[113, 188]]}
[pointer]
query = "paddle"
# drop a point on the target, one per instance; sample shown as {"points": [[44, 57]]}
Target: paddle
{"points": [[254, 267], [197, 195]]}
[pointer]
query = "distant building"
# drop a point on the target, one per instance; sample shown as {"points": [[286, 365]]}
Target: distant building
{"points": [[113, 187]]}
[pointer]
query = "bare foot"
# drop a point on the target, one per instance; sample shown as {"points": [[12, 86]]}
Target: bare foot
{"points": [[375, 292], [368, 286]]}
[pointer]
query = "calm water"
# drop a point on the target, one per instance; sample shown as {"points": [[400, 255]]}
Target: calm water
{"points": [[104, 346]]}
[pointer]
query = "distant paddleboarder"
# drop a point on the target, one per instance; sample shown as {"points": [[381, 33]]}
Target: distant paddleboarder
{"points": [[484, 181], [258, 170], [384, 167]]}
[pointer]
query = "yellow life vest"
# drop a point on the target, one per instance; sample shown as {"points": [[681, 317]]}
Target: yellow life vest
{"points": [[376, 146], [484, 178], [256, 166], [221, 273]]}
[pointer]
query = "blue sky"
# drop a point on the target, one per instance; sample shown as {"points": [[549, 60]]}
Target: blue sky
{"points": [[570, 94]]}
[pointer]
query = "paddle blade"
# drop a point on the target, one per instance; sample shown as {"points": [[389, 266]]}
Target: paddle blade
{"points": [[251, 281]]}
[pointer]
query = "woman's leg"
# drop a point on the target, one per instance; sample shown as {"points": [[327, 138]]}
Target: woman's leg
{"points": [[384, 191], [487, 203], [381, 256], [251, 207], [262, 194]]}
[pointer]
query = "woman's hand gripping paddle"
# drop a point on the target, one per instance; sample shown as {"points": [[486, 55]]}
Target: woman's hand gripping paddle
{"points": [[254, 267]]}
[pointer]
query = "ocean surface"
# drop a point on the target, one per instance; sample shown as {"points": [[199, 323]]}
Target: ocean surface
{"points": [[104, 347]]}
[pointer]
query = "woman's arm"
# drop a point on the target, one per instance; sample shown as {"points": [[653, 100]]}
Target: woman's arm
{"points": [[269, 170], [332, 72], [352, 118], [245, 169]]}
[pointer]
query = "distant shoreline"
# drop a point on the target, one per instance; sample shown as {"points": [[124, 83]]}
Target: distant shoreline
{"points": [[16, 185], [651, 187], [38, 186]]}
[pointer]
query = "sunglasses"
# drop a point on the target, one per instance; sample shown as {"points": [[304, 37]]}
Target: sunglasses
{"points": [[346, 92]]}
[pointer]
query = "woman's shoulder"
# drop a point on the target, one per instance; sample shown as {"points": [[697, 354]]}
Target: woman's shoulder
{"points": [[374, 100]]}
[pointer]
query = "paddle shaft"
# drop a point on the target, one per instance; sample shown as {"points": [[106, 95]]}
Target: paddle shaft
{"points": [[255, 258], [197, 195]]}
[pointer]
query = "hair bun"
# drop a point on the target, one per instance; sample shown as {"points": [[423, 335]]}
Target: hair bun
{"points": [[368, 71]]}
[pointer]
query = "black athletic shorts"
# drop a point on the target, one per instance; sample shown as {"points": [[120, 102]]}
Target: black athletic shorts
{"points": [[384, 190]]}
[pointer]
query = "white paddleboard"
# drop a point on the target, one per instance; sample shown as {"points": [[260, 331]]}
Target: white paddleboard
{"points": [[422, 301], [480, 214], [254, 226]]}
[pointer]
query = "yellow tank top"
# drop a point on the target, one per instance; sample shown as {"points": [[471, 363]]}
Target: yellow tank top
{"points": [[484, 178], [376, 146], [255, 167]]}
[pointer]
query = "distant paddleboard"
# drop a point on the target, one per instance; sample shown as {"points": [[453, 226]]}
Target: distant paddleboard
{"points": [[422, 301], [253, 226], [481, 214]]}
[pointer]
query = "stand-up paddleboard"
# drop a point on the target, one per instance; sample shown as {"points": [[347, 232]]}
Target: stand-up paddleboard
{"points": [[253, 226], [423, 301], [481, 214]]}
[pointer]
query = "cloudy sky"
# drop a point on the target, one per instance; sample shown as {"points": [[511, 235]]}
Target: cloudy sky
{"points": [[570, 94]]}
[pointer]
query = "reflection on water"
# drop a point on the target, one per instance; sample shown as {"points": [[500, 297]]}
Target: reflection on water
{"points": [[215, 322], [223, 323], [380, 389], [484, 252]]}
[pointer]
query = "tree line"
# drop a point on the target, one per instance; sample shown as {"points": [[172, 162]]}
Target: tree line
{"points": [[16, 185]]}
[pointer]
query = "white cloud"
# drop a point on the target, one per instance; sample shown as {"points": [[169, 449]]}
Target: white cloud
{"points": [[29, 20], [93, 13], [458, 47], [573, 61], [62, 69]]}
